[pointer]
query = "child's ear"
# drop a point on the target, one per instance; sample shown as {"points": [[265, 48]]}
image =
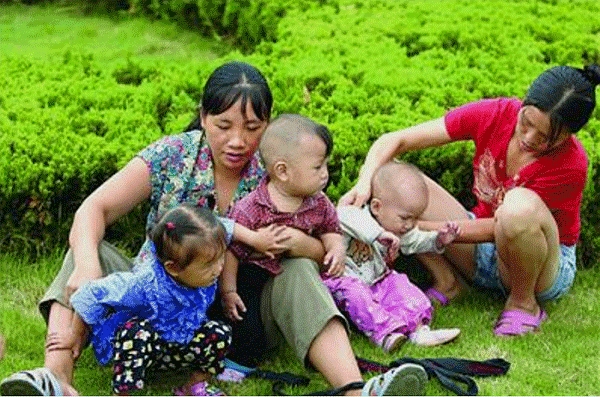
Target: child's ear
{"points": [[375, 205], [280, 169], [171, 268]]}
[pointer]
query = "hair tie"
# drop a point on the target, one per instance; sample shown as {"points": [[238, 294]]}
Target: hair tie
{"points": [[170, 226]]}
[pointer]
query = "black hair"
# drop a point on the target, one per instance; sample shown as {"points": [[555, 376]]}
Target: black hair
{"points": [[567, 95], [229, 83], [185, 232]]}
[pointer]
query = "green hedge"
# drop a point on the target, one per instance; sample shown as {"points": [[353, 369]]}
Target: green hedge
{"points": [[361, 67], [67, 125], [367, 67]]}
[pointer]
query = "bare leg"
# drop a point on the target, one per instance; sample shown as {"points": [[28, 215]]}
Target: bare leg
{"points": [[458, 259], [445, 278], [331, 354], [528, 248], [60, 362]]}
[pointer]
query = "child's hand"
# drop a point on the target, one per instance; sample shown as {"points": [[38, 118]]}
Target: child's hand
{"points": [[232, 305], [268, 240], [447, 234], [392, 242], [334, 261]]}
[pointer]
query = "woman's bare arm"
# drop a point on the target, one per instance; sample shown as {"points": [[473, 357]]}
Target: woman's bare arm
{"points": [[387, 147], [471, 230], [114, 198]]}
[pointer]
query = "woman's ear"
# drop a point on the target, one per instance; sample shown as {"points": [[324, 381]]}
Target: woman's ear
{"points": [[280, 170], [375, 205], [171, 268]]}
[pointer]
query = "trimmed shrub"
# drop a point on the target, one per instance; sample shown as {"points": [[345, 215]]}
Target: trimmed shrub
{"points": [[67, 126], [369, 67], [243, 22], [363, 67]]}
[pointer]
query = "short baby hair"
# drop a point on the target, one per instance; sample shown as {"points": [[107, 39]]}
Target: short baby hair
{"points": [[404, 178], [282, 136]]}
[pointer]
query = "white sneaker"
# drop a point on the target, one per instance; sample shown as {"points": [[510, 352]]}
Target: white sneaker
{"points": [[36, 382], [406, 380], [425, 336]]}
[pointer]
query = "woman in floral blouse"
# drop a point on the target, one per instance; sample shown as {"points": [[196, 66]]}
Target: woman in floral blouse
{"points": [[213, 164]]}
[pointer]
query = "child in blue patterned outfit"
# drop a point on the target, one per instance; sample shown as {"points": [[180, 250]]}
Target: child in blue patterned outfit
{"points": [[155, 317]]}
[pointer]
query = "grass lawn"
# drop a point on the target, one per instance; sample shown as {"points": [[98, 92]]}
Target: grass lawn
{"points": [[564, 359], [41, 32]]}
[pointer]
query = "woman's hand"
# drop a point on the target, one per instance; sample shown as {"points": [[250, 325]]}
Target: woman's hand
{"points": [[66, 339], [358, 195], [269, 240], [232, 305], [392, 242], [79, 277], [62, 340], [300, 244], [72, 336]]}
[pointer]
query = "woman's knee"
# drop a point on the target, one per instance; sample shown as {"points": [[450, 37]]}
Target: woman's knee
{"points": [[522, 211]]}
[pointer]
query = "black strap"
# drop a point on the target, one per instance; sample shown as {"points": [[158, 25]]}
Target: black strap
{"points": [[453, 373], [495, 366], [339, 391], [279, 385], [285, 378]]}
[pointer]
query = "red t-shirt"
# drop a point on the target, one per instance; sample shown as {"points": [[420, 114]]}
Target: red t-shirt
{"points": [[557, 177], [315, 217]]}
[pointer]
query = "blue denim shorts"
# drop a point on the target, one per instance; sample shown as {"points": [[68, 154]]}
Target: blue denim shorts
{"points": [[487, 274]]}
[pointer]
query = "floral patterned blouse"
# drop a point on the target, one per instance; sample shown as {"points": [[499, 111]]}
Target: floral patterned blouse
{"points": [[181, 172]]}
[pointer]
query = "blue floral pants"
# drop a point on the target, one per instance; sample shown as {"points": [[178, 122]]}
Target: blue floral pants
{"points": [[138, 347]]}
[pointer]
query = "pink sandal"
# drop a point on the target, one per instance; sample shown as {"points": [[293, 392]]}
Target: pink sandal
{"points": [[434, 294], [198, 389], [516, 323]]}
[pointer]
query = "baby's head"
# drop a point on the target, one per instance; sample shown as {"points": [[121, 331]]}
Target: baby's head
{"points": [[296, 151], [399, 196], [190, 244]]}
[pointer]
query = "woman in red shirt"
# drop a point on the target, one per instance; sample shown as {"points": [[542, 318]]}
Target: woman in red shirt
{"points": [[529, 174]]}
